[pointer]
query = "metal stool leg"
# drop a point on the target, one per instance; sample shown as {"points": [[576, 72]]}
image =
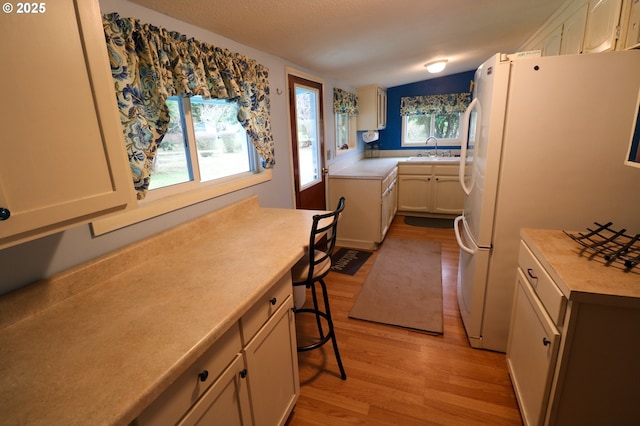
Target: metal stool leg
{"points": [[316, 309], [332, 333]]}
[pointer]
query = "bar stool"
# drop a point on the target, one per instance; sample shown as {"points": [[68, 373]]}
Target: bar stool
{"points": [[311, 270]]}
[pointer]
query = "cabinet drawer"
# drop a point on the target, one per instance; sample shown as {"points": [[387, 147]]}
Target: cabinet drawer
{"points": [[550, 295], [389, 178], [185, 391], [415, 169], [265, 307]]}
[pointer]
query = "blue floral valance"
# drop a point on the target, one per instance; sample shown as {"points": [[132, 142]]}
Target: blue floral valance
{"points": [[345, 102], [149, 64], [435, 104]]}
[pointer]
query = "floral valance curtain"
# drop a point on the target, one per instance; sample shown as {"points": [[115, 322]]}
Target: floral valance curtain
{"points": [[435, 104], [149, 64], [345, 102]]}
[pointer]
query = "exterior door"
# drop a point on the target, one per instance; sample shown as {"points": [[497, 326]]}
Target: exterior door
{"points": [[307, 139]]}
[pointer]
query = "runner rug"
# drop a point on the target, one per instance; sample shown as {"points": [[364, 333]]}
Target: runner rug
{"points": [[404, 286]]}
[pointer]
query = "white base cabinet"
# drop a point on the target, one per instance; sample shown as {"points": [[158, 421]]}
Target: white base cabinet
{"points": [[371, 204], [427, 190], [248, 377], [573, 342]]}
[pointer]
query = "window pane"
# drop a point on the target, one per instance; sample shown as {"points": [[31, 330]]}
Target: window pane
{"points": [[170, 165], [447, 126], [307, 107], [342, 131], [417, 128], [221, 140]]}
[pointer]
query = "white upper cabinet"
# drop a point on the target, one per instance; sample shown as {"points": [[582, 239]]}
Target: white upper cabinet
{"points": [[602, 25], [62, 156], [632, 33], [372, 108], [573, 31], [551, 44], [586, 26]]}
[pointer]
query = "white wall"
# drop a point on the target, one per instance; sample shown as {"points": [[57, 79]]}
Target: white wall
{"points": [[29, 262]]}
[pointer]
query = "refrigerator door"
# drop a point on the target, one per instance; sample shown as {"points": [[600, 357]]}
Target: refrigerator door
{"points": [[483, 146], [472, 282]]}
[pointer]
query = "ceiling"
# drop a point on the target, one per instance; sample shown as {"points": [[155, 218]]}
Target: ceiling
{"points": [[364, 42]]}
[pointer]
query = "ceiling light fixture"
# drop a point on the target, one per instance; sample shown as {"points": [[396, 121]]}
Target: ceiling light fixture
{"points": [[436, 66]]}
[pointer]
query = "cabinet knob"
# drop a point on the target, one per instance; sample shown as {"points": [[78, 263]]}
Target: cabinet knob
{"points": [[243, 373], [273, 301], [203, 376], [4, 213], [546, 341], [530, 273]]}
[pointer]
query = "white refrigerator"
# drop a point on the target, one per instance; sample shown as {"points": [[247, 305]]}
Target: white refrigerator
{"points": [[547, 138]]}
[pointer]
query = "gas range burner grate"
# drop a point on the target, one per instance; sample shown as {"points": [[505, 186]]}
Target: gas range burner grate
{"points": [[612, 245]]}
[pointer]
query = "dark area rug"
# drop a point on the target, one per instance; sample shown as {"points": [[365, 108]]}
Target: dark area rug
{"points": [[428, 222], [348, 261]]}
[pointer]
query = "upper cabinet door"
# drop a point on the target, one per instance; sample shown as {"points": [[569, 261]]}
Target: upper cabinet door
{"points": [[62, 157], [602, 25], [573, 31], [551, 43]]}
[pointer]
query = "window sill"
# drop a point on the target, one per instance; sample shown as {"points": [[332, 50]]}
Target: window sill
{"points": [[143, 211]]}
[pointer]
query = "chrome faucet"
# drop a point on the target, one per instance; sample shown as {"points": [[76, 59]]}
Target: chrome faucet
{"points": [[435, 141]]}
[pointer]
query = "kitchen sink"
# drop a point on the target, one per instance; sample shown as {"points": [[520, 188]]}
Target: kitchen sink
{"points": [[426, 159]]}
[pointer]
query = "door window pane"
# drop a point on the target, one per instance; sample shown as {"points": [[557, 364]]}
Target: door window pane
{"points": [[307, 107]]}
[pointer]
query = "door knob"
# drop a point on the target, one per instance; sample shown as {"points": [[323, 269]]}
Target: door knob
{"points": [[325, 171]]}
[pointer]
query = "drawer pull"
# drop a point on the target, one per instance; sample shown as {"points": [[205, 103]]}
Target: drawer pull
{"points": [[530, 273], [546, 341], [4, 213], [273, 301], [243, 373], [203, 376]]}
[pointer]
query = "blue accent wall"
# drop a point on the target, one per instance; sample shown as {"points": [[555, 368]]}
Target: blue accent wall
{"points": [[391, 137]]}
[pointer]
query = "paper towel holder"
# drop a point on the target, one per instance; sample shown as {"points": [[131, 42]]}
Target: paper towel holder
{"points": [[370, 136]]}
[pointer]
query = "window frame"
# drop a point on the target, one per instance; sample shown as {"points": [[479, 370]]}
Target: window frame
{"points": [[444, 141], [351, 133], [173, 197]]}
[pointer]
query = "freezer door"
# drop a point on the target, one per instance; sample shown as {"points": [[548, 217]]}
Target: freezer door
{"points": [[472, 281]]}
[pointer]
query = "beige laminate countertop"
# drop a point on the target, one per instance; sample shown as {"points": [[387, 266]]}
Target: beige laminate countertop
{"points": [[378, 168], [578, 274], [98, 343]]}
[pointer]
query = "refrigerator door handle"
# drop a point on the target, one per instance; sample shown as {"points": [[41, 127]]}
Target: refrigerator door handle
{"points": [[456, 229], [463, 146]]}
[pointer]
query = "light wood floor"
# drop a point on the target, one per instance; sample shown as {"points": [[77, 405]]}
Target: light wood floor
{"points": [[402, 377]]}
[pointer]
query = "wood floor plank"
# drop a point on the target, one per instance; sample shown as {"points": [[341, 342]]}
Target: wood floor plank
{"points": [[398, 376]]}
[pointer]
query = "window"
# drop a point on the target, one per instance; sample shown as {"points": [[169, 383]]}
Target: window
{"points": [[435, 116], [417, 128], [204, 154], [345, 132], [204, 142], [345, 108]]}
